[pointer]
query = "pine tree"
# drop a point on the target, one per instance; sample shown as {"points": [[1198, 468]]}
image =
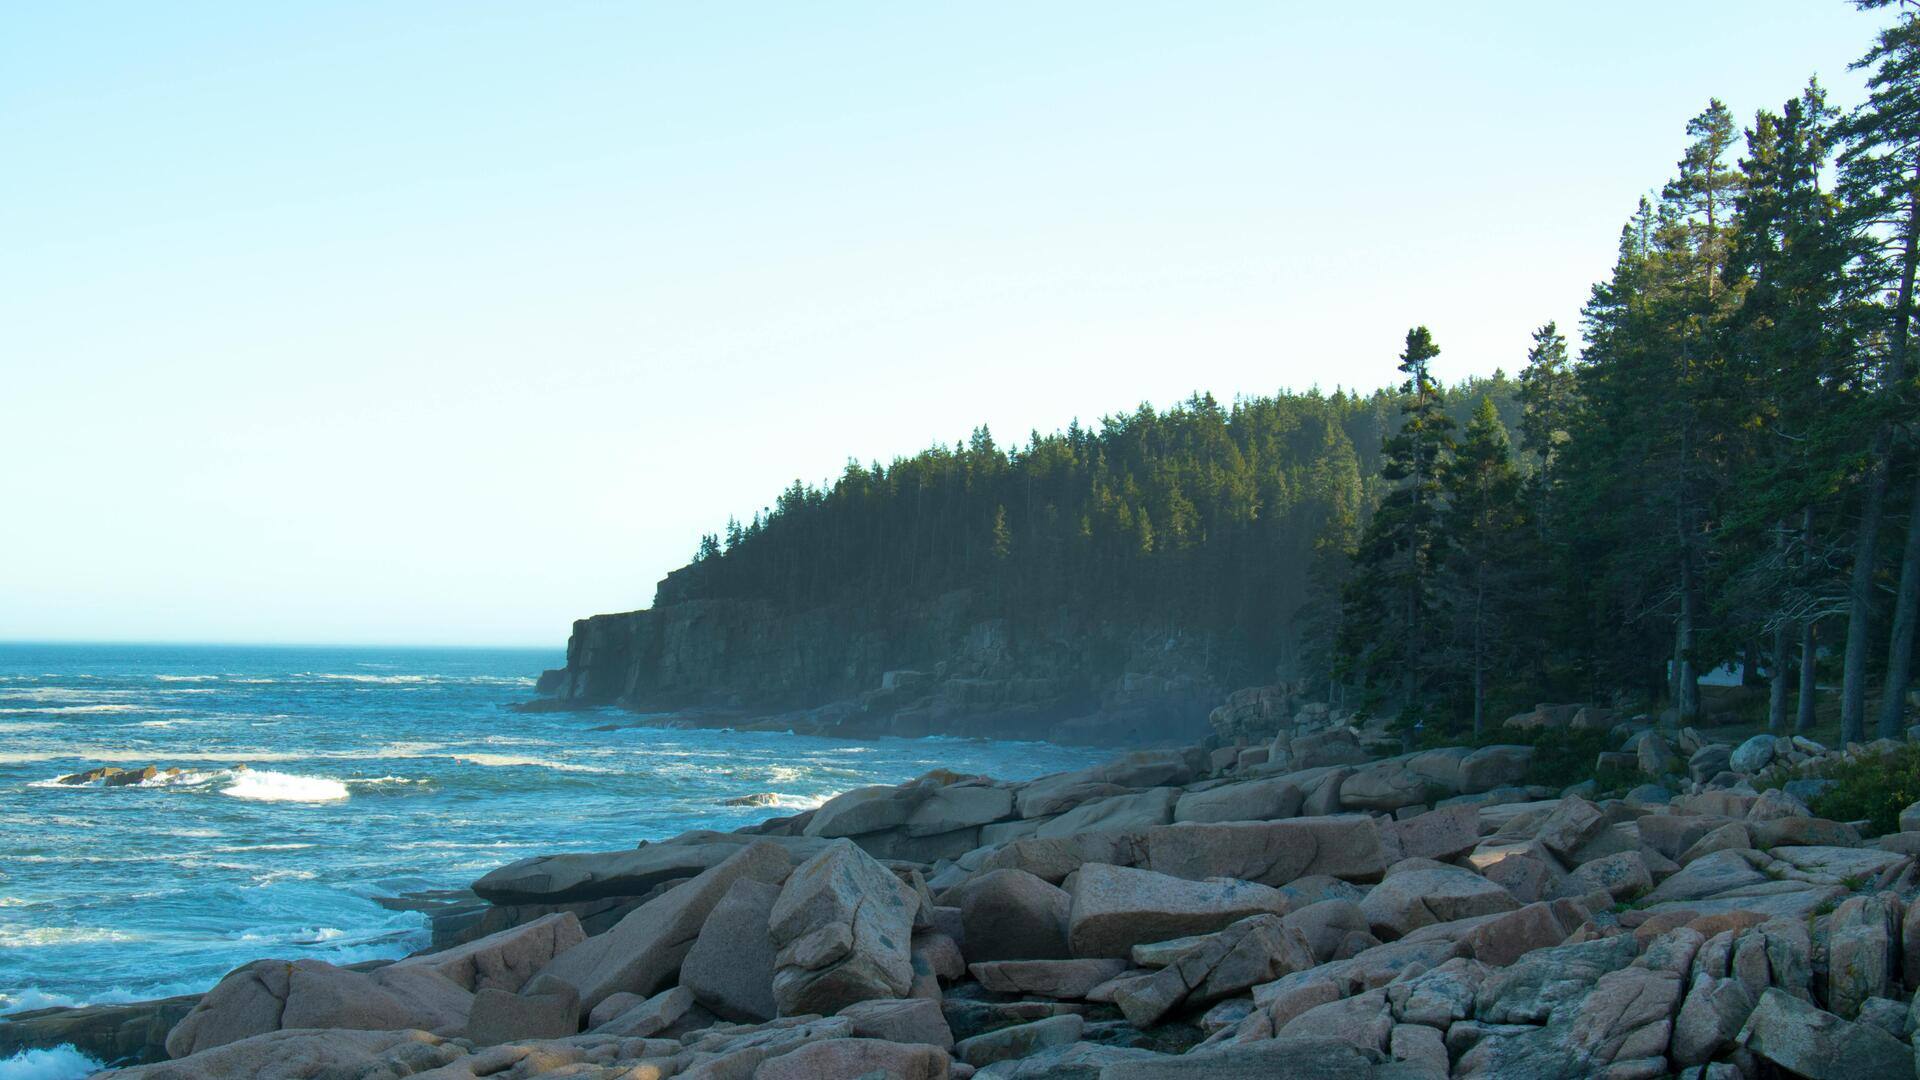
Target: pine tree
{"points": [[1485, 528], [1880, 179], [1547, 391], [1391, 613], [1790, 354]]}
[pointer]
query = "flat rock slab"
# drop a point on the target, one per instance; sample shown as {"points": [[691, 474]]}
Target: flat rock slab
{"points": [[1118, 813], [858, 1057], [1020, 1040], [1270, 799], [304, 1053], [553, 879], [1345, 846], [1831, 865], [1046, 978], [907, 1020], [1116, 907], [1323, 1059]]}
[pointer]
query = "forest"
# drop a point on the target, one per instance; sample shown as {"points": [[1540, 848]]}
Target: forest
{"points": [[1725, 472]]}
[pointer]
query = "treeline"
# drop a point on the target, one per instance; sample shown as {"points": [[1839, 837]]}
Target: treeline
{"points": [[1726, 473], [1228, 521]]}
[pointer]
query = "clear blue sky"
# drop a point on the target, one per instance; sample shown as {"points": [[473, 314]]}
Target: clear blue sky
{"points": [[450, 322]]}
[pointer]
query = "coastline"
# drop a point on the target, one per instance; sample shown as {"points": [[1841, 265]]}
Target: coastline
{"points": [[1306, 851]]}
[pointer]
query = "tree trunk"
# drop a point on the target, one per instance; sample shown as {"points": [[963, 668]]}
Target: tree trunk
{"points": [[1893, 699], [1687, 698], [1853, 687], [1777, 683], [1479, 649], [1803, 720]]}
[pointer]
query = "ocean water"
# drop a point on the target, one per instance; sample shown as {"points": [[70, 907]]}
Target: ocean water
{"points": [[367, 772]]}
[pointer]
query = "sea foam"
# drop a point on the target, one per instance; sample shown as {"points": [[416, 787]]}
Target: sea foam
{"points": [[60, 1063], [267, 786]]}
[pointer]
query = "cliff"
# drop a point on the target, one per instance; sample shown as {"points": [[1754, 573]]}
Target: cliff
{"points": [[952, 666]]}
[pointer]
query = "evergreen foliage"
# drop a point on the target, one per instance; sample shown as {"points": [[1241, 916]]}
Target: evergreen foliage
{"points": [[1726, 473]]}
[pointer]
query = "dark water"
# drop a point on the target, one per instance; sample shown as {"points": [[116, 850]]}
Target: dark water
{"points": [[369, 772]]}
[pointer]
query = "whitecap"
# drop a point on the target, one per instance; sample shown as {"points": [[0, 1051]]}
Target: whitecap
{"points": [[27, 937], [391, 680], [780, 800], [49, 710], [186, 678], [510, 760], [266, 786], [62, 1062]]}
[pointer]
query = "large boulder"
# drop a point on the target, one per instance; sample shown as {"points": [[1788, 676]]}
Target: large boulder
{"points": [[1065, 979], [1442, 834], [1818, 1045], [1118, 813], [506, 960], [1863, 954], [863, 810], [1265, 1059], [730, 967], [1493, 767], [1014, 915], [1020, 1040], [1753, 755], [275, 995], [646, 948], [1270, 852], [1410, 899], [552, 1012], [907, 1020], [843, 931], [1710, 1019], [959, 806], [1253, 800], [858, 1057], [1573, 822], [1251, 951], [305, 1053], [1387, 786], [553, 879], [1115, 907]]}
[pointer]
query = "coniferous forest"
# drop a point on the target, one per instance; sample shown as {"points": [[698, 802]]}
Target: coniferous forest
{"points": [[1725, 472]]}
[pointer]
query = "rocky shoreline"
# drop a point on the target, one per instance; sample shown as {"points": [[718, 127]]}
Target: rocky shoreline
{"points": [[1286, 897]]}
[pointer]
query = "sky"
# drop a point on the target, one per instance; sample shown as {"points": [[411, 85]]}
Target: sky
{"points": [[454, 322]]}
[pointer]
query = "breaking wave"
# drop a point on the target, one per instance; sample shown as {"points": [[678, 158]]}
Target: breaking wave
{"points": [[264, 785], [62, 1062]]}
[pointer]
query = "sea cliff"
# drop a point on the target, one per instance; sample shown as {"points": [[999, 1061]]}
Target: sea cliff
{"points": [[953, 666]]}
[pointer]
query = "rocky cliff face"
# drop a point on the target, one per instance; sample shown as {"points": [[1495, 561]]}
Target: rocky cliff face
{"points": [[949, 667]]}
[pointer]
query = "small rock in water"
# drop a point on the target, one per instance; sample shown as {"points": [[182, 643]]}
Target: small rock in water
{"points": [[761, 798]]}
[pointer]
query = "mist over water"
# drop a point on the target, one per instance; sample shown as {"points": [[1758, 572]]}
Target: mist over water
{"points": [[368, 772]]}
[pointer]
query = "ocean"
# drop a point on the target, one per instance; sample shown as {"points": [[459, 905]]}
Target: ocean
{"points": [[313, 780]]}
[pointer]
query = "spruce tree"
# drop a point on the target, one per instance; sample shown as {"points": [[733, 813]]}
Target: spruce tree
{"points": [[1547, 391], [1391, 615], [1485, 528], [1880, 179]]}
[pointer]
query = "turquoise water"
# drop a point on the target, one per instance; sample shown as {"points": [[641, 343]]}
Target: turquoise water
{"points": [[369, 772]]}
